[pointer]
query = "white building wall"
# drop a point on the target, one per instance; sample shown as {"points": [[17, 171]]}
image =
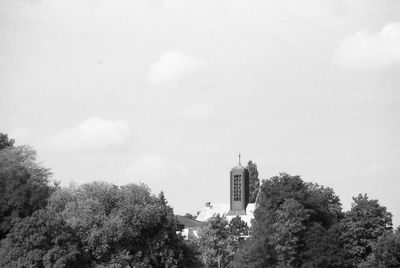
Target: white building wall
{"points": [[223, 209]]}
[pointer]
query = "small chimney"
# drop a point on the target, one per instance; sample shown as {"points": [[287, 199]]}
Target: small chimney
{"points": [[208, 204]]}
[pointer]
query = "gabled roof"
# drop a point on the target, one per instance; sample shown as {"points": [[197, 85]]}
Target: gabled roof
{"points": [[188, 223]]}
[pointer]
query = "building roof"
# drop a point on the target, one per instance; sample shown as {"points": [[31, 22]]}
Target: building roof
{"points": [[188, 223], [238, 167]]}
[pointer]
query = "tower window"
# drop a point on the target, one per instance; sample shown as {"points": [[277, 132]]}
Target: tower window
{"points": [[237, 187]]}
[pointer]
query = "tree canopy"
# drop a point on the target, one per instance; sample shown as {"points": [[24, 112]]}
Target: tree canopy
{"points": [[289, 211], [5, 141], [102, 225], [216, 243], [24, 185], [362, 226], [42, 240], [237, 227], [385, 252], [122, 225], [254, 181]]}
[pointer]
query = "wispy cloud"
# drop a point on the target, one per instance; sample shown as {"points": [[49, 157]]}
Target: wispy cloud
{"points": [[172, 66], [94, 134], [370, 51]]}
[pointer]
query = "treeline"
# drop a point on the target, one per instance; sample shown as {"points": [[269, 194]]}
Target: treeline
{"points": [[296, 224]]}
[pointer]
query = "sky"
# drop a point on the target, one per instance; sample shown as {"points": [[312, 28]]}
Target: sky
{"points": [[167, 93]]}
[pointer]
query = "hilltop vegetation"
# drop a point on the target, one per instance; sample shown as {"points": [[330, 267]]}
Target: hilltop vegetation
{"points": [[296, 224]]}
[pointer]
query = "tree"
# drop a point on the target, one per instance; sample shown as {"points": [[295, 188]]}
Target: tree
{"points": [[24, 185], [5, 141], [122, 226], [254, 182], [190, 216], [254, 253], [385, 252], [289, 230], [323, 247], [42, 240], [363, 225], [288, 212], [237, 227], [217, 245]]}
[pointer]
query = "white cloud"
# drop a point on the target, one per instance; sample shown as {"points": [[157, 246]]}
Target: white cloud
{"points": [[94, 134], [197, 110], [370, 51], [172, 66]]}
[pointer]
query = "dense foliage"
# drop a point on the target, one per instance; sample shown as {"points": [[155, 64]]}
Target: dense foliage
{"points": [[42, 240], [219, 240], [300, 224], [121, 225], [238, 228], [362, 226], [103, 225], [24, 185], [5, 141], [254, 181], [190, 216]]}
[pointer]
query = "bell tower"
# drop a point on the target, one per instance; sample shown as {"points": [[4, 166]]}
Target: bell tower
{"points": [[239, 190]]}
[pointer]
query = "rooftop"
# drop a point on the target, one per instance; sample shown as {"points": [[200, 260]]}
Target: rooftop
{"points": [[188, 223], [239, 167]]}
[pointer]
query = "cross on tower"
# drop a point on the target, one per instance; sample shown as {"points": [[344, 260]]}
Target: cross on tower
{"points": [[239, 158]]}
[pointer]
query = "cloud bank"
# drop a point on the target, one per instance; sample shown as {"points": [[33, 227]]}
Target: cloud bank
{"points": [[172, 66], [368, 51], [93, 134]]}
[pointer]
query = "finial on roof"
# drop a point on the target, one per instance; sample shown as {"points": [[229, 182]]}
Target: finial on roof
{"points": [[239, 159]]}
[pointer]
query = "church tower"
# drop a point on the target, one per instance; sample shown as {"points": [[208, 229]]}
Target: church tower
{"points": [[239, 190]]}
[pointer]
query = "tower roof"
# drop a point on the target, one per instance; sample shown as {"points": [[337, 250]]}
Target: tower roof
{"points": [[239, 167]]}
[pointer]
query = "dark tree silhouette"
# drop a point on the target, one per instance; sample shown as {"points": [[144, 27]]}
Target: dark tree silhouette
{"points": [[254, 182], [23, 185], [5, 141]]}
